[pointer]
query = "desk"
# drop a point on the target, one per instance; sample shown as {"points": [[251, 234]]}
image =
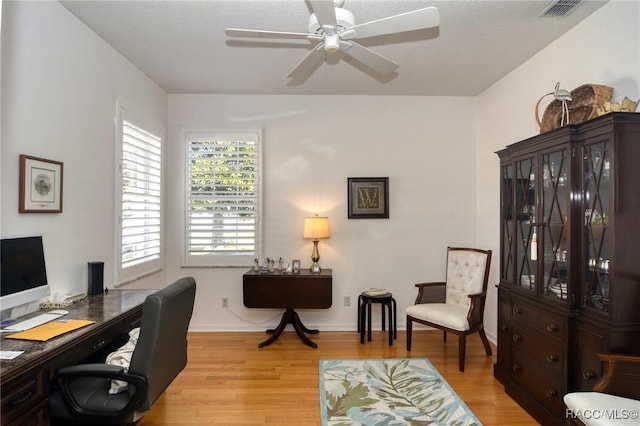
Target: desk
{"points": [[304, 290], [24, 381]]}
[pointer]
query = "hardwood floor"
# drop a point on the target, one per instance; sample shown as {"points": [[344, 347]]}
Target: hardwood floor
{"points": [[230, 381]]}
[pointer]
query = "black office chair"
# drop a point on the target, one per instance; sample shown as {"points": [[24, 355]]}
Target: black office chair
{"points": [[82, 393]]}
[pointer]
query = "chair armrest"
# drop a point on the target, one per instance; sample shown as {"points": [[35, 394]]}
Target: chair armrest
{"points": [[621, 375], [618, 357], [91, 370], [432, 292], [476, 309], [65, 375]]}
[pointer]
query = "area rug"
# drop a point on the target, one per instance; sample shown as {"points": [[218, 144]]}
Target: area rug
{"points": [[405, 391]]}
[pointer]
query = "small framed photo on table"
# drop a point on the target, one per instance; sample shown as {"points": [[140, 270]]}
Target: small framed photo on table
{"points": [[40, 185], [368, 198], [295, 266]]}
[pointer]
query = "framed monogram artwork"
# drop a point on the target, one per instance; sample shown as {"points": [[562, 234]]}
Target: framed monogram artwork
{"points": [[368, 197]]}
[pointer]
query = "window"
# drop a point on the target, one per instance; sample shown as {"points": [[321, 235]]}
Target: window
{"points": [[223, 194], [139, 199]]}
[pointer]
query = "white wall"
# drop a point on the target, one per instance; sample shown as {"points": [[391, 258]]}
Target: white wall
{"points": [[426, 146], [60, 82], [603, 49]]}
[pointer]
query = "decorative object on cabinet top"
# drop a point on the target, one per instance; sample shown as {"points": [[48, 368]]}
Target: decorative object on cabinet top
{"points": [[584, 102], [627, 105]]}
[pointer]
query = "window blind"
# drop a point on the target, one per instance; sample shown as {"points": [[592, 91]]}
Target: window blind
{"points": [[141, 195], [222, 201]]}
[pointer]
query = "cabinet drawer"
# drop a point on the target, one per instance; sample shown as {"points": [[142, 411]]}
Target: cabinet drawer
{"points": [[542, 385], [542, 351], [548, 323], [22, 394], [37, 416], [86, 348]]}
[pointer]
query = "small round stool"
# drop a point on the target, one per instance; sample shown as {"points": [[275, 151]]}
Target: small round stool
{"points": [[364, 314]]}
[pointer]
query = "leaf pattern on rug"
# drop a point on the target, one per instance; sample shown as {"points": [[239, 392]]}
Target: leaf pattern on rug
{"points": [[408, 392]]}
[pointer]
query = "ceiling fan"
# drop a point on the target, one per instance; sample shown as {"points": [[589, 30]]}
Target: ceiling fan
{"points": [[334, 30]]}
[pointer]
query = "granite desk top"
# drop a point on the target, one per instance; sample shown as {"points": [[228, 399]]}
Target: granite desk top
{"points": [[104, 309]]}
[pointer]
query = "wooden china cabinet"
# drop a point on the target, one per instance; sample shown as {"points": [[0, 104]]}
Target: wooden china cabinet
{"points": [[569, 259]]}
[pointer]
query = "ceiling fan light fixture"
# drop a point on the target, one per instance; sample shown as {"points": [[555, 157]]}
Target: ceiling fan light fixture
{"points": [[331, 43]]}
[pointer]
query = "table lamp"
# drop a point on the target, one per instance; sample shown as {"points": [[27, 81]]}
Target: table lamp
{"points": [[316, 228]]}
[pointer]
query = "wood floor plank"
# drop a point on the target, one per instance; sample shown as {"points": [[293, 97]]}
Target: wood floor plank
{"points": [[230, 381]]}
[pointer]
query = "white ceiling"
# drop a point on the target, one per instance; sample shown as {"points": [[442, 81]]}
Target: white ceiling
{"points": [[182, 45]]}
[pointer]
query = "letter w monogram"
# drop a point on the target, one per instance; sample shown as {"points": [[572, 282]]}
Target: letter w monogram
{"points": [[368, 197]]}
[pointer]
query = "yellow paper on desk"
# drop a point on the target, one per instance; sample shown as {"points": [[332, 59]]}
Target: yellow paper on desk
{"points": [[50, 330]]}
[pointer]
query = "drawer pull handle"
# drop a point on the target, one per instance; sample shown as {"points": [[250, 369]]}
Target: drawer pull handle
{"points": [[517, 311], [551, 393], [516, 338], [552, 358], [516, 367], [552, 327], [504, 328], [21, 399], [588, 374], [98, 345]]}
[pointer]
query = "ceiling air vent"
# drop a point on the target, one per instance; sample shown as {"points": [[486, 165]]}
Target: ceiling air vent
{"points": [[560, 8]]}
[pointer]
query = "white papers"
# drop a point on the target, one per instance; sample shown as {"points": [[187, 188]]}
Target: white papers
{"points": [[10, 354]]}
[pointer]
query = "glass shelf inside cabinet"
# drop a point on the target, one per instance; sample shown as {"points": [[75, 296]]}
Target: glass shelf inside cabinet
{"points": [[596, 194], [555, 229], [526, 237]]}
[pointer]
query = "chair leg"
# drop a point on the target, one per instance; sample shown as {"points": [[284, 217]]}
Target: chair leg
{"points": [[361, 317], [369, 322], [359, 314], [395, 318], [390, 324], [462, 343], [485, 342], [409, 327]]}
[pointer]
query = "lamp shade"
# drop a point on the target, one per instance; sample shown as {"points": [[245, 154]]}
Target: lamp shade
{"points": [[316, 227]]}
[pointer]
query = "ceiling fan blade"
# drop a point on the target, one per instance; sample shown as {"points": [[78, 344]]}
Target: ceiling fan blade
{"points": [[416, 20], [325, 12], [308, 64], [369, 58], [238, 32]]}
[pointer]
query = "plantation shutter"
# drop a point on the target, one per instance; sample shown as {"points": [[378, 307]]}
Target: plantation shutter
{"points": [[141, 171], [222, 203]]}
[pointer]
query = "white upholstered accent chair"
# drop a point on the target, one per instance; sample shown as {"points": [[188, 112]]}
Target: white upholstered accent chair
{"points": [[456, 305], [615, 399]]}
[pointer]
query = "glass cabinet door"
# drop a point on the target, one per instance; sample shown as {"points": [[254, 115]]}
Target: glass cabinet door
{"points": [[507, 220], [554, 226], [525, 216], [596, 192]]}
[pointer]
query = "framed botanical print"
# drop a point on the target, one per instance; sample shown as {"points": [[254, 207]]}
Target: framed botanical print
{"points": [[40, 185], [368, 198]]}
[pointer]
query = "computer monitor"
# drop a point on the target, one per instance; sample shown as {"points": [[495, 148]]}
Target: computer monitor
{"points": [[24, 275]]}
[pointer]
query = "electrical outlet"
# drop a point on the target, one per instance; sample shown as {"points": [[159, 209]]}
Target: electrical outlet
{"points": [[225, 302], [347, 301]]}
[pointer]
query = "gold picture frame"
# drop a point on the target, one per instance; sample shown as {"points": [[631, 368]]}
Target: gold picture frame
{"points": [[368, 198], [40, 185]]}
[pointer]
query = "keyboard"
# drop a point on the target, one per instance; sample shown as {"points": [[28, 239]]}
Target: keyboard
{"points": [[37, 320]]}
